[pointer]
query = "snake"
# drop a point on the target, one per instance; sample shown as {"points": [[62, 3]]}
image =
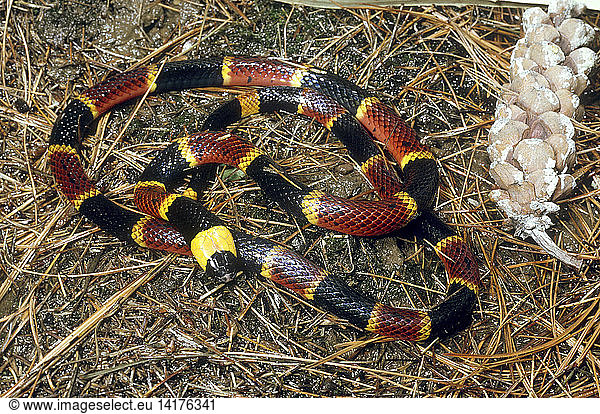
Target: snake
{"points": [[179, 223]]}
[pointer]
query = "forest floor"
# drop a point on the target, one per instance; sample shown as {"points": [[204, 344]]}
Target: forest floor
{"points": [[82, 314]]}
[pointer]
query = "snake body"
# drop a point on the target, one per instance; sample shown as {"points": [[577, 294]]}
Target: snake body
{"points": [[178, 223]]}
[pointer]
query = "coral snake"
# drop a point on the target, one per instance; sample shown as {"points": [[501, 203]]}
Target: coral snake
{"points": [[179, 223]]}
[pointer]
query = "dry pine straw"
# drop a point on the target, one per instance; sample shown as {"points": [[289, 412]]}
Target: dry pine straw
{"points": [[81, 314]]}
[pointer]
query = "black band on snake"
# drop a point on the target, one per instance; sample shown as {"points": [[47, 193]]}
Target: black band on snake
{"points": [[178, 223]]}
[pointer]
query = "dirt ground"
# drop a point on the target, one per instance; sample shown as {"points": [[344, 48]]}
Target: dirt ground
{"points": [[82, 314]]}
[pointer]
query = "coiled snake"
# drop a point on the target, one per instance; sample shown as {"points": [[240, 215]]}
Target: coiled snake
{"points": [[178, 223]]}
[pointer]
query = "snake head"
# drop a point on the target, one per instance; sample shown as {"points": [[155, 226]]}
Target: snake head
{"points": [[215, 251], [223, 265]]}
